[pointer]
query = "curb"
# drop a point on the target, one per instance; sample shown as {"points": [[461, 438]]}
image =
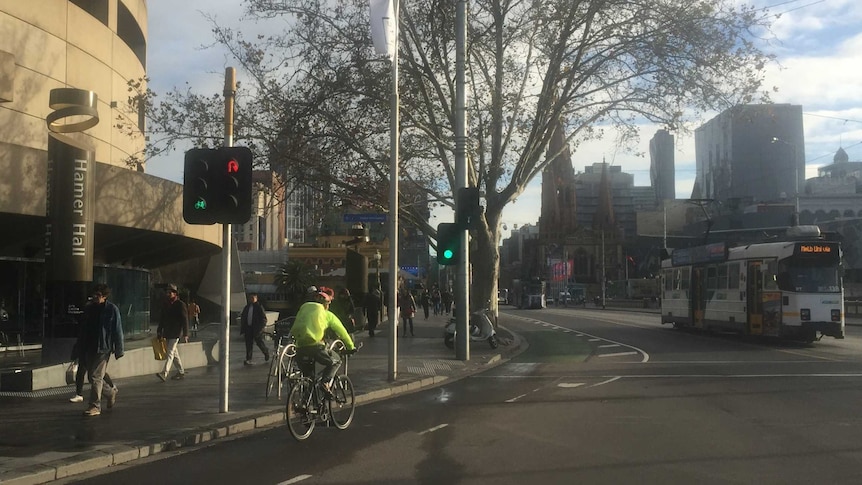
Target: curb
{"points": [[117, 454]]}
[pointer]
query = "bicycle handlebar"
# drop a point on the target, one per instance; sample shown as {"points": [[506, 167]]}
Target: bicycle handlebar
{"points": [[338, 346]]}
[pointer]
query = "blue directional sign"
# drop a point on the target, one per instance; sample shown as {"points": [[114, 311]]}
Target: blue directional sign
{"points": [[374, 217]]}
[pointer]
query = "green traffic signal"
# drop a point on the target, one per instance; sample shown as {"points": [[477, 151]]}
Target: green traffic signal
{"points": [[201, 204], [448, 243]]}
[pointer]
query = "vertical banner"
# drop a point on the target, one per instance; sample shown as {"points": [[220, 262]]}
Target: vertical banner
{"points": [[70, 211], [383, 27], [70, 215]]}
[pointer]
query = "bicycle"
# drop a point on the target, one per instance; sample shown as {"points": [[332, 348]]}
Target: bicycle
{"points": [[308, 404], [279, 369]]}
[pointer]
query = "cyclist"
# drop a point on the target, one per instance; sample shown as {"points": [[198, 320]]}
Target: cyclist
{"points": [[312, 322]]}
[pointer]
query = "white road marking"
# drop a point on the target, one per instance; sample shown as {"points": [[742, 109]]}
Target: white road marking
{"points": [[617, 354], [295, 479], [595, 340], [516, 398], [612, 379], [608, 345], [435, 428], [644, 360], [570, 384], [522, 395]]}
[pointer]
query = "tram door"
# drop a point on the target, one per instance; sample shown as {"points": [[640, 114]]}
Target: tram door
{"points": [[754, 298], [698, 296]]}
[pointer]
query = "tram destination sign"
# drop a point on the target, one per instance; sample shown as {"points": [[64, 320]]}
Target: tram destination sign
{"points": [[711, 253], [825, 250]]}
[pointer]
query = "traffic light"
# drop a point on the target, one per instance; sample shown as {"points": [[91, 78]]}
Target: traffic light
{"points": [[217, 185], [467, 208], [448, 243]]}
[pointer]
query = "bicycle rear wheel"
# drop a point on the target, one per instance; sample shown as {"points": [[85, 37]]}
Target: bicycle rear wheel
{"points": [[300, 420], [343, 404]]}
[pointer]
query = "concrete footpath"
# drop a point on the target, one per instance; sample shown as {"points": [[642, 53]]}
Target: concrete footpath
{"points": [[44, 437]]}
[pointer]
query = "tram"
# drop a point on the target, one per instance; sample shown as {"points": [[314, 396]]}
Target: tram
{"points": [[790, 289]]}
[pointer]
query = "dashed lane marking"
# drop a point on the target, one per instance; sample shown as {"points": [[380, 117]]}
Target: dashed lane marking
{"points": [[592, 338], [617, 354], [570, 385], [295, 479], [435, 428]]}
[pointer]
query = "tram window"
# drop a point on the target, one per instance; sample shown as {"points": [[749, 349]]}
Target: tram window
{"points": [[667, 276], [711, 278], [685, 277], [733, 276], [722, 277]]}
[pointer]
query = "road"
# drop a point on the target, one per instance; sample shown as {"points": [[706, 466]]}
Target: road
{"points": [[598, 397]]}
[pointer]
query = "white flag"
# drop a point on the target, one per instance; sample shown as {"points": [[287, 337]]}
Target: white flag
{"points": [[383, 27]]}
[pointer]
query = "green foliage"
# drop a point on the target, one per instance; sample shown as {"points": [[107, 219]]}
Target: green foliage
{"points": [[294, 278]]}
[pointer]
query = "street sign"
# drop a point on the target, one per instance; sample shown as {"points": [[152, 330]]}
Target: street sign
{"points": [[375, 217]]}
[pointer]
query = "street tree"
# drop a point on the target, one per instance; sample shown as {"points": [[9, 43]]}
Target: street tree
{"points": [[319, 105]]}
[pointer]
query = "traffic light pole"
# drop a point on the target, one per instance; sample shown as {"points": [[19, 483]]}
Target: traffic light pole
{"points": [[462, 289], [224, 348]]}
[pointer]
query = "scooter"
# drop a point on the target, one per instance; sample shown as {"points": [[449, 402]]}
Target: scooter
{"points": [[481, 328]]}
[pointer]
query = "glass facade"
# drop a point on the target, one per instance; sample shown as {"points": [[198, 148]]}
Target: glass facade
{"points": [[22, 297]]}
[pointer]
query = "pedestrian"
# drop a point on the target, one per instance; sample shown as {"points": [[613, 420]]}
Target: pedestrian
{"points": [[425, 301], [372, 309], [82, 372], [407, 306], [344, 308], [101, 336], [173, 326], [446, 297], [194, 315], [252, 322], [436, 301]]}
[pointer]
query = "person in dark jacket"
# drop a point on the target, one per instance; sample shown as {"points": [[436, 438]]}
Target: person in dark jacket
{"points": [[251, 324], [101, 336], [173, 326], [372, 309]]}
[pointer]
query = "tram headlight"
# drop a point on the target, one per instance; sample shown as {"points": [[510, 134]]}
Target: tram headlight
{"points": [[805, 314], [836, 315]]}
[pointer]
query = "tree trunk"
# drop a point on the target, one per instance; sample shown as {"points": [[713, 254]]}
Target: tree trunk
{"points": [[485, 258]]}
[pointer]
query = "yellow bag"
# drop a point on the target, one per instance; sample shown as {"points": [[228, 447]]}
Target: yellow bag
{"points": [[160, 348]]}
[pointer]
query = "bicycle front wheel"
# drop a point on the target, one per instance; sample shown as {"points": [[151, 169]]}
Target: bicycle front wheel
{"points": [[343, 404], [298, 411]]}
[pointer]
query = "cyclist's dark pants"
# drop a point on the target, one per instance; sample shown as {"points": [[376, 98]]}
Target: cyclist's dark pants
{"points": [[321, 355]]}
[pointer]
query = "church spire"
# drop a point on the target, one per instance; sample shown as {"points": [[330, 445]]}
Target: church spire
{"points": [[604, 217]]}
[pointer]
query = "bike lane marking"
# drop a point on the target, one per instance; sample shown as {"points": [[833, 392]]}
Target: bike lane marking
{"points": [[295, 479], [435, 428]]}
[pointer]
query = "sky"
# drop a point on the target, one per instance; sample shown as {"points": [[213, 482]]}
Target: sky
{"points": [[818, 45]]}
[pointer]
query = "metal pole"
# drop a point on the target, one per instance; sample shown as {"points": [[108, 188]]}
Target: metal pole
{"points": [[393, 205], [604, 283], [462, 308], [224, 354]]}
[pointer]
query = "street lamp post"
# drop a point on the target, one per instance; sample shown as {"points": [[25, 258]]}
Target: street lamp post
{"points": [[795, 219]]}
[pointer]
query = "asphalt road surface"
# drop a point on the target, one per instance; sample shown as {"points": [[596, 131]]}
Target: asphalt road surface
{"points": [[598, 397]]}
